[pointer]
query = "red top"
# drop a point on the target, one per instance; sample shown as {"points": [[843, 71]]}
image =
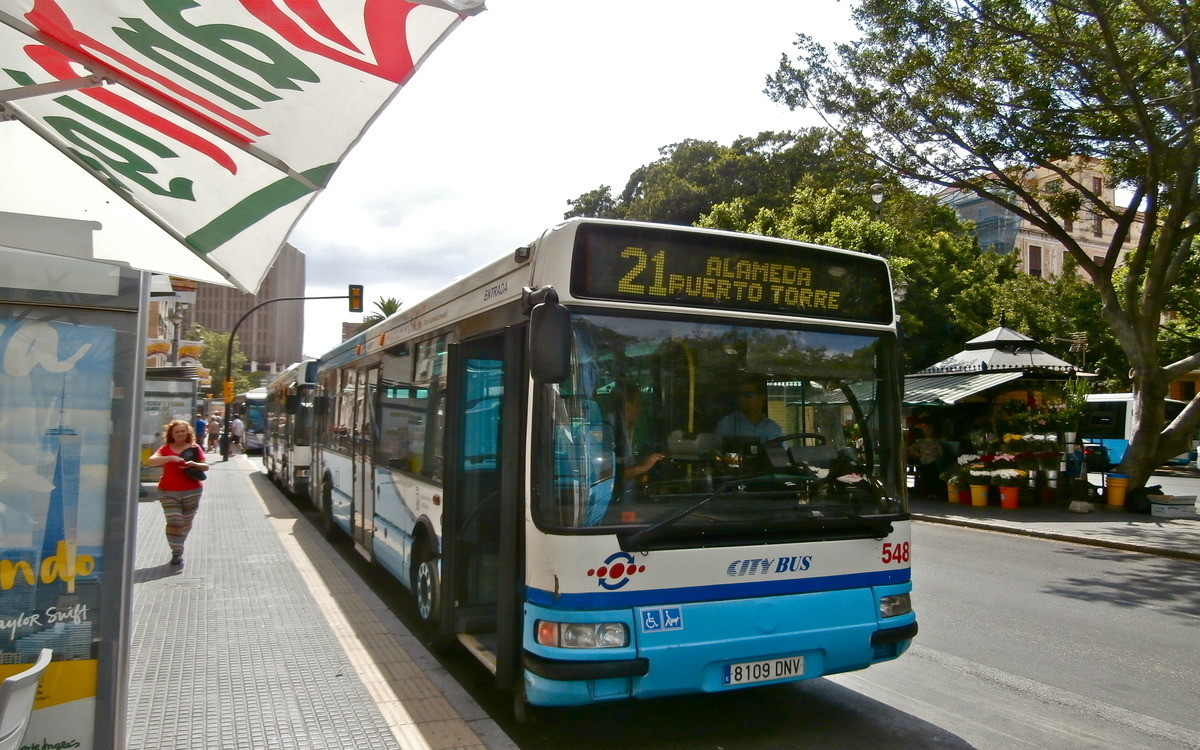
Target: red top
{"points": [[173, 479]]}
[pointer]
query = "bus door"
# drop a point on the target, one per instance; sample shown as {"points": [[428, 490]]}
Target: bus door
{"points": [[363, 448], [483, 516]]}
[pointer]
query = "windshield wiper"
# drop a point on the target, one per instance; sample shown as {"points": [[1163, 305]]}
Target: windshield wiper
{"points": [[635, 540], [880, 527]]}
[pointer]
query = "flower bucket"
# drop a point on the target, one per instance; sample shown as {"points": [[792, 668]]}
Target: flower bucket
{"points": [[1051, 477], [964, 495], [1008, 496], [952, 492], [979, 495], [1048, 494], [1114, 490]]}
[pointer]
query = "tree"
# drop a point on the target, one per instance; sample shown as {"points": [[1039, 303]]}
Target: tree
{"points": [[384, 307], [692, 176], [212, 356], [973, 95]]}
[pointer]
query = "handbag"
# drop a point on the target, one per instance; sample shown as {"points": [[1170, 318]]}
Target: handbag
{"points": [[191, 472]]}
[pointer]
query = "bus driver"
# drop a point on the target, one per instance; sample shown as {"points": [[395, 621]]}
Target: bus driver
{"points": [[750, 418]]}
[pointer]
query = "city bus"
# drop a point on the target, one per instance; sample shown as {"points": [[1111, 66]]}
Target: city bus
{"points": [[1109, 422], [287, 440], [251, 406], [476, 446]]}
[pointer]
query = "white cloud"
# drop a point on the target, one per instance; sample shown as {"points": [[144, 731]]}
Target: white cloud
{"points": [[524, 107]]}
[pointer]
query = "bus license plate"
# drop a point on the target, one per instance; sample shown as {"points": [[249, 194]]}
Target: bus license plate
{"points": [[749, 672]]}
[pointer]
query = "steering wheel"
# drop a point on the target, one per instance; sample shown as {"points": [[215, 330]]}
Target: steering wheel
{"points": [[798, 436]]}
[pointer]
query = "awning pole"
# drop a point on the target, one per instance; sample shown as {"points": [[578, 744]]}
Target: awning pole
{"points": [[52, 87]]}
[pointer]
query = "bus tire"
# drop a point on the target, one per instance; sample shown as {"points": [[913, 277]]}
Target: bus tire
{"points": [[425, 586], [328, 527]]}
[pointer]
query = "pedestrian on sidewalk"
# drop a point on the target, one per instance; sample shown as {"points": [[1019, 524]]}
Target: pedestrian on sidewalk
{"points": [[201, 426], [214, 432], [236, 428], [178, 492]]}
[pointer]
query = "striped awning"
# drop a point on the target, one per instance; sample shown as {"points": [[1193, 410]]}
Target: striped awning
{"points": [[950, 389]]}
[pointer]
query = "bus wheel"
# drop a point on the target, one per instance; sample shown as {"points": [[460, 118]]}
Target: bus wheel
{"points": [[425, 586], [328, 527]]}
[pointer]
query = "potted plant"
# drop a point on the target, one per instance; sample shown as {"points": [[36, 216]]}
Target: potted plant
{"points": [[1008, 480], [980, 479], [958, 478]]}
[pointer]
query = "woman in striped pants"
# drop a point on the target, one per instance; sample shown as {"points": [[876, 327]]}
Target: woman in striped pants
{"points": [[179, 493]]}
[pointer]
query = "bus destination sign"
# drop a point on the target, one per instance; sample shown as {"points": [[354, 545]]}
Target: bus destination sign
{"points": [[661, 266]]}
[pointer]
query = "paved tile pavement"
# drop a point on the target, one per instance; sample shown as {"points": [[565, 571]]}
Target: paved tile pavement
{"points": [[267, 639]]}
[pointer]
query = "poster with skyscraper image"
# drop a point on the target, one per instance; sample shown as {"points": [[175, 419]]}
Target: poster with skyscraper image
{"points": [[56, 427]]}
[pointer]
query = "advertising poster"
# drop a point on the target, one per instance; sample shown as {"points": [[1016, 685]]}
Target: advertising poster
{"points": [[57, 369]]}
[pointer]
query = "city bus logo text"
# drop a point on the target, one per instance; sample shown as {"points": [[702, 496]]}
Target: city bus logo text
{"points": [[763, 566]]}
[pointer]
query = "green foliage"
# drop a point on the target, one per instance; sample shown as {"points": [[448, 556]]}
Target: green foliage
{"points": [[597, 204], [384, 307], [692, 176], [971, 96], [213, 355]]}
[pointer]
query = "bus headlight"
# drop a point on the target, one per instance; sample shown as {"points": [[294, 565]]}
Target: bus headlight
{"points": [[896, 604], [582, 634]]}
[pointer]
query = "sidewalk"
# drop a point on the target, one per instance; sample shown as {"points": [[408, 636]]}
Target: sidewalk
{"points": [[1169, 537], [267, 639]]}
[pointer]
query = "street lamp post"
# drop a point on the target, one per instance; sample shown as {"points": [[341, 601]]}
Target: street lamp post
{"points": [[877, 198], [355, 296], [176, 319]]}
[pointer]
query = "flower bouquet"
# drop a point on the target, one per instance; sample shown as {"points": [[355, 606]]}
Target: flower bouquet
{"points": [[1009, 477]]}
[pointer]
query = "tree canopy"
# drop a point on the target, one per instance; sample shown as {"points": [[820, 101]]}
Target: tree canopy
{"points": [[974, 95], [212, 356], [384, 307], [691, 176]]}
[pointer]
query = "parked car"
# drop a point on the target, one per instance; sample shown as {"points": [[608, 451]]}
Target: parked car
{"points": [[1095, 457]]}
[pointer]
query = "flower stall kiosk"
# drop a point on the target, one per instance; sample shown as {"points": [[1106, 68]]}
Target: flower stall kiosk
{"points": [[1006, 414]]}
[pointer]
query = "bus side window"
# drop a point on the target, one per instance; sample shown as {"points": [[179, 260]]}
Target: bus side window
{"points": [[429, 380], [343, 417], [401, 415]]}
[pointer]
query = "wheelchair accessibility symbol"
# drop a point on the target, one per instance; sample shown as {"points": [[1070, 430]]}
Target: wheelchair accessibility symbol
{"points": [[662, 618]]}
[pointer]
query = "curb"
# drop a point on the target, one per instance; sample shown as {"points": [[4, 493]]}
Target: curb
{"points": [[1059, 537]]}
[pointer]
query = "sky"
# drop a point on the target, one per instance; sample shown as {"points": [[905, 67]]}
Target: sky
{"points": [[525, 107]]}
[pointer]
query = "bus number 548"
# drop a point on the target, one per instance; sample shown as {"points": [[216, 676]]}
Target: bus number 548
{"points": [[895, 553]]}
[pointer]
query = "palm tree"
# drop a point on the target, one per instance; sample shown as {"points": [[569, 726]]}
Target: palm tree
{"points": [[385, 307]]}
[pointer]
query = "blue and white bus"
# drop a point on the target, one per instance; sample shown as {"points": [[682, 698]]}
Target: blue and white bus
{"points": [[288, 436], [1109, 422], [251, 406], [475, 445]]}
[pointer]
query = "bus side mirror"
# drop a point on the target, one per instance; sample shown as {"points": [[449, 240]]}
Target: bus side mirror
{"points": [[549, 341]]}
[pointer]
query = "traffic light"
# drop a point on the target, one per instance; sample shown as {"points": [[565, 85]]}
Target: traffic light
{"points": [[356, 298]]}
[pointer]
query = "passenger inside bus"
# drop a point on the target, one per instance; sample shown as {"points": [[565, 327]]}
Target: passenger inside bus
{"points": [[625, 411]]}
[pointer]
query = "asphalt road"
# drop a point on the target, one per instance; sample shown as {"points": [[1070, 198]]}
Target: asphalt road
{"points": [[1024, 643]]}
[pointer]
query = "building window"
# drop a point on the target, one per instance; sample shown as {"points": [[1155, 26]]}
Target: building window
{"points": [[1097, 185], [1069, 225], [1097, 224], [1035, 261]]}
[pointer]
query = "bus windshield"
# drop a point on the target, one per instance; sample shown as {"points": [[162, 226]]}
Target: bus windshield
{"points": [[682, 432]]}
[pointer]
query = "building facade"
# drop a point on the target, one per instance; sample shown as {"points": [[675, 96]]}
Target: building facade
{"points": [[1038, 253], [272, 337]]}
